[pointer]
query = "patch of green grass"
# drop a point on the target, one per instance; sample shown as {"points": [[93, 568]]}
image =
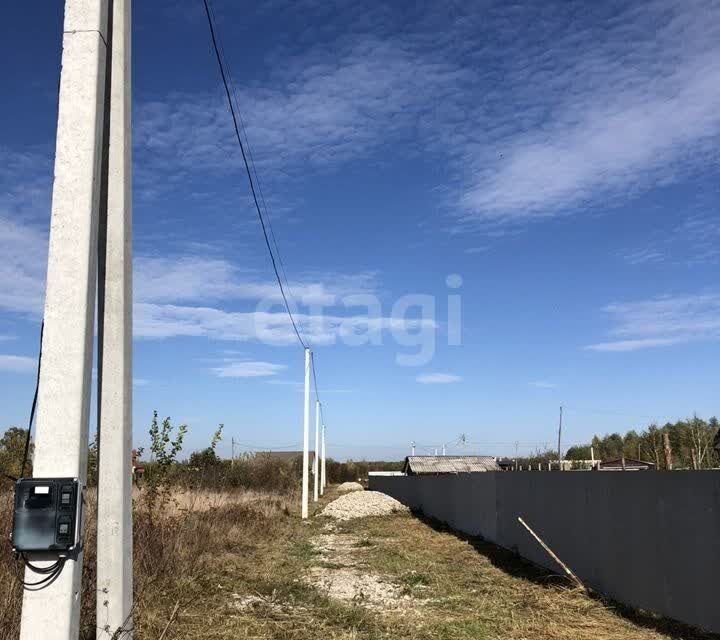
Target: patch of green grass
{"points": [[364, 543], [305, 550], [415, 579], [458, 630]]}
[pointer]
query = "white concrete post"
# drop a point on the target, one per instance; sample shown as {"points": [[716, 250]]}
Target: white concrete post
{"points": [[412, 449], [317, 452], [61, 441], [306, 436], [114, 515], [322, 466]]}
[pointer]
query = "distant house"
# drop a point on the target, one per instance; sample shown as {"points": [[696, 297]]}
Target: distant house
{"points": [[625, 464], [434, 465], [506, 464]]}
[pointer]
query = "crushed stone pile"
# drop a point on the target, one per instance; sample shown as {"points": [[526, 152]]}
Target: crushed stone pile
{"points": [[360, 504], [349, 486]]}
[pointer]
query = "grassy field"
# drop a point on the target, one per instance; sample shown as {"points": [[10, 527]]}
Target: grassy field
{"points": [[243, 565]]}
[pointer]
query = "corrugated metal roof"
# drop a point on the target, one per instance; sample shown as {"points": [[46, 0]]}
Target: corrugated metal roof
{"points": [[449, 464]]}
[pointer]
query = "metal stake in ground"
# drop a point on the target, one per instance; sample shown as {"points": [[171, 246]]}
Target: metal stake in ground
{"points": [[552, 555]]}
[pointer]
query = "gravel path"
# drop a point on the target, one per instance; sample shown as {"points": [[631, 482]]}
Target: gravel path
{"points": [[360, 504]]}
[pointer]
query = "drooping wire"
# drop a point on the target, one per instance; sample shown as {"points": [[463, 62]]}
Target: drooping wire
{"points": [[33, 408], [34, 404], [248, 146], [315, 382], [253, 190]]}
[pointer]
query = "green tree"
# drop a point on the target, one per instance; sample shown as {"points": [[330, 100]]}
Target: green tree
{"points": [[12, 449], [207, 457], [580, 452]]}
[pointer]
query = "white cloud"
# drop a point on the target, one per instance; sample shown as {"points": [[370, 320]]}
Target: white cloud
{"points": [[20, 364], [317, 110], [634, 345], [248, 369], [542, 384], [201, 278], [662, 321], [543, 116], [166, 321], [22, 269], [437, 378], [643, 256]]}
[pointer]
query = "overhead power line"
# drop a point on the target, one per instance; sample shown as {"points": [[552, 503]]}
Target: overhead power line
{"points": [[315, 382], [235, 117]]}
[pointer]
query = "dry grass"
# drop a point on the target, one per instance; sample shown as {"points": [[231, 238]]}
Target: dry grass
{"points": [[237, 564]]}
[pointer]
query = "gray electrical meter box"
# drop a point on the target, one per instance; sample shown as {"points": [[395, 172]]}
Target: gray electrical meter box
{"points": [[48, 515]]}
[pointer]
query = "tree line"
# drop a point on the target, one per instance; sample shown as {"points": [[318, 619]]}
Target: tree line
{"points": [[692, 445]]}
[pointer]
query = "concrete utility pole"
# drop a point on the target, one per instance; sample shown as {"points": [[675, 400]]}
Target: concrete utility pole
{"points": [[560, 441], [412, 449], [322, 468], [232, 452], [317, 452], [61, 440], [114, 507], [306, 436]]}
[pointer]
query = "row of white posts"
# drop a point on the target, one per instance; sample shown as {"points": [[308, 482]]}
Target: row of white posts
{"points": [[89, 255], [319, 466]]}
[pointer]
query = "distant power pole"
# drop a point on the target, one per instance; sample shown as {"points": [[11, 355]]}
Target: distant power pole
{"points": [[306, 437], [443, 449], [232, 452], [412, 449], [560, 440], [316, 478], [323, 479]]}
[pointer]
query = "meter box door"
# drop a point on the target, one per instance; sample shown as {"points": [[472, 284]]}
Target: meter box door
{"points": [[48, 515]]}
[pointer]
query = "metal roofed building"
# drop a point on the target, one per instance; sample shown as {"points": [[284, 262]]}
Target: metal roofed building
{"points": [[433, 465]]}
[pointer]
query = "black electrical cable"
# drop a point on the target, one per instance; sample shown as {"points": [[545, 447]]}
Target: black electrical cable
{"points": [[34, 404], [312, 361], [42, 570], [266, 209], [51, 573], [32, 412], [249, 173]]}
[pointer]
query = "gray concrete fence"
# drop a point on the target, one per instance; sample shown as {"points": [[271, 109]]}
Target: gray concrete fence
{"points": [[648, 539]]}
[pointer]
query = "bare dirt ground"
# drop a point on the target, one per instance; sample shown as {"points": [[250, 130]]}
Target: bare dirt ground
{"points": [[342, 574]]}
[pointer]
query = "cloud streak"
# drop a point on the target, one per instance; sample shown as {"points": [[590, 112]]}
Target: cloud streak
{"points": [[17, 364], [248, 369], [662, 322], [438, 378]]}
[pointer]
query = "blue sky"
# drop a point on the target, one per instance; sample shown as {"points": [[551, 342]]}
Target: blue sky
{"points": [[560, 158]]}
